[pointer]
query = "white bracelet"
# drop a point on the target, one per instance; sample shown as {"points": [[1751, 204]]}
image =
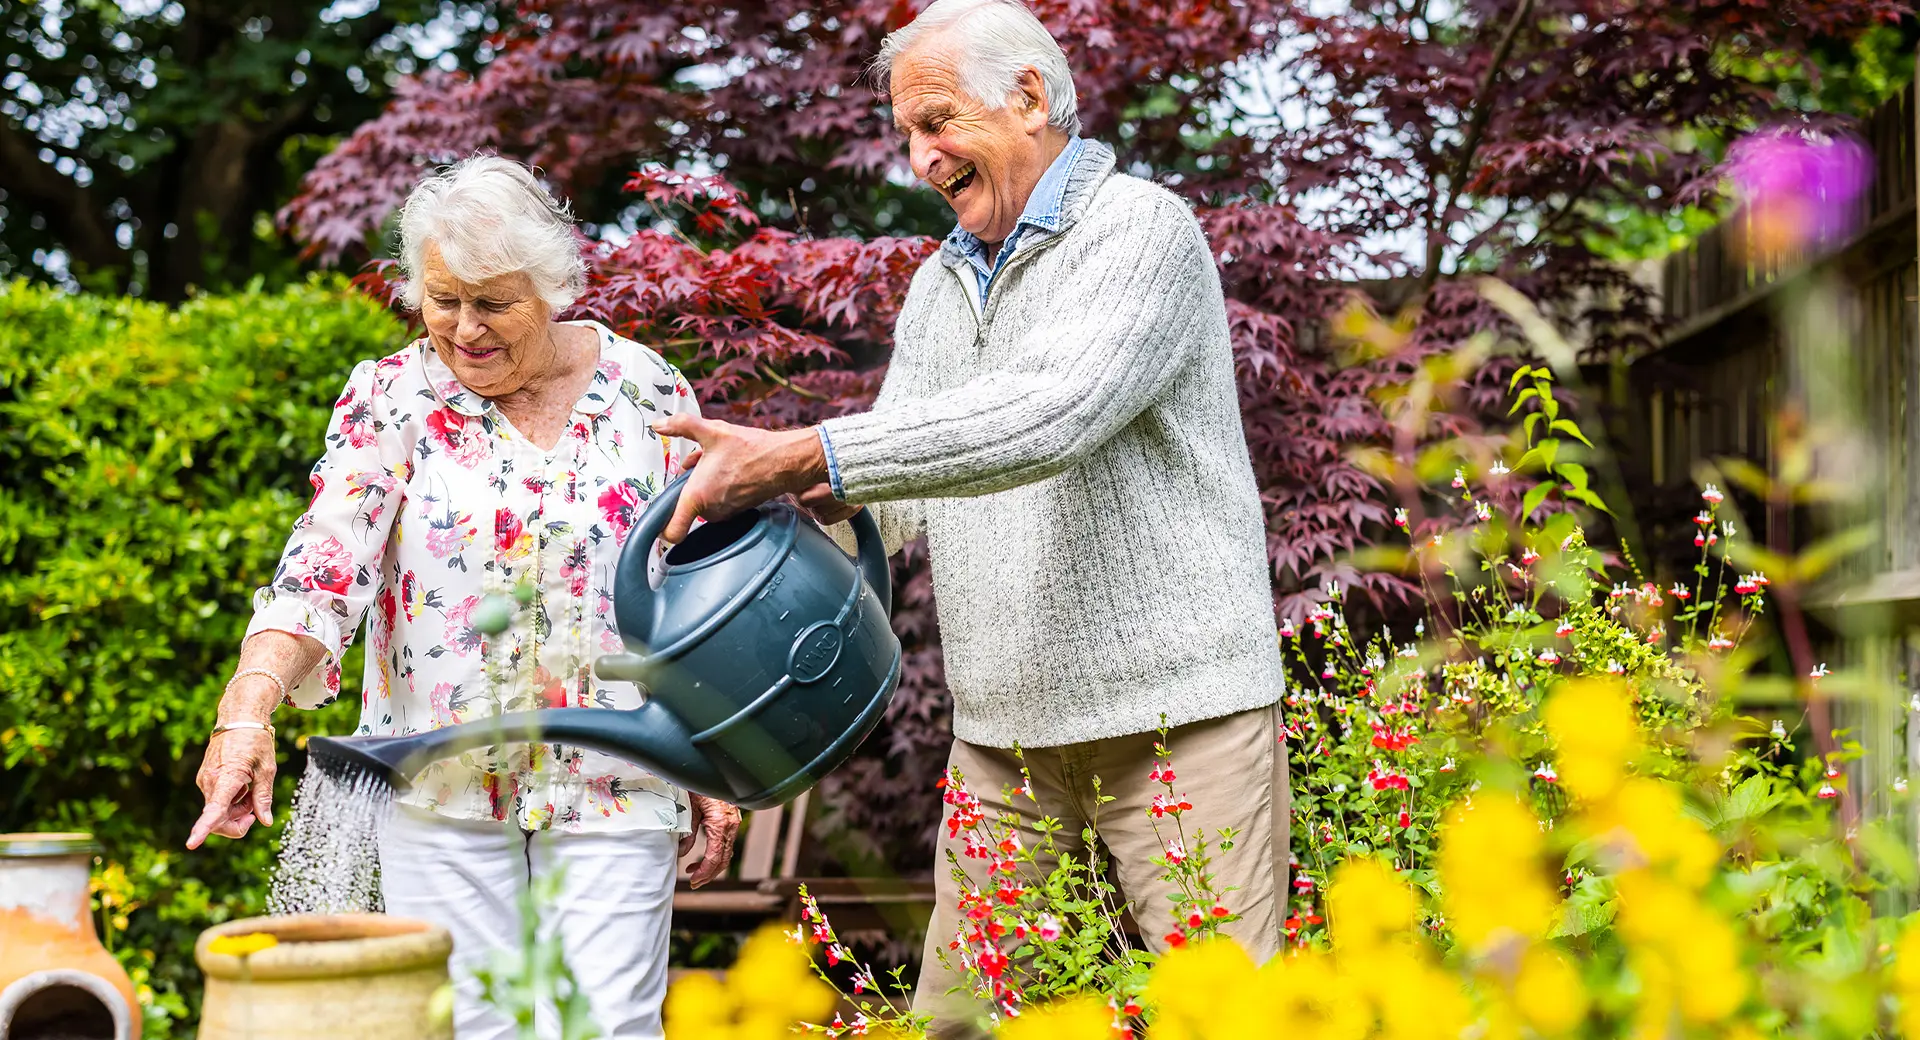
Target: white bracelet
{"points": [[223, 727], [277, 681]]}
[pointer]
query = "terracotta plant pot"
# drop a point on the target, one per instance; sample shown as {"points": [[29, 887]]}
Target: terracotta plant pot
{"points": [[56, 981], [332, 976]]}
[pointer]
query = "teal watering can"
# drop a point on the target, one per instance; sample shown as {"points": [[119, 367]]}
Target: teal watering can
{"points": [[766, 656]]}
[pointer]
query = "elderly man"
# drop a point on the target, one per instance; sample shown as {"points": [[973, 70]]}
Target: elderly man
{"points": [[1060, 420]]}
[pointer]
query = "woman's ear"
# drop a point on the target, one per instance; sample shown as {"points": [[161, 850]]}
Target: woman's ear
{"points": [[1032, 99]]}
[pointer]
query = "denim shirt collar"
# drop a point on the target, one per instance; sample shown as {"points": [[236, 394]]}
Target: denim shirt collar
{"points": [[1057, 201]]}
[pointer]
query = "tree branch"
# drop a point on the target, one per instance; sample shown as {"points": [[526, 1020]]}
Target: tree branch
{"points": [[1476, 127]]}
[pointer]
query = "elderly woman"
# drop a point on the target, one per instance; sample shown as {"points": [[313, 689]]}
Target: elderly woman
{"points": [[502, 451]]}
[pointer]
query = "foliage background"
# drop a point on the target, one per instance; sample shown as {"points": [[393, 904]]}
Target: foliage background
{"points": [[153, 461]]}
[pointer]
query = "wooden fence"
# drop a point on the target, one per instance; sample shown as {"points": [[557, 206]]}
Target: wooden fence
{"points": [[1832, 338]]}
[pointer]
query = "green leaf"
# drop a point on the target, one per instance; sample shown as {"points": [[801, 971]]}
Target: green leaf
{"points": [[1518, 374], [1533, 419], [1574, 474], [1535, 495], [1753, 798], [1568, 427], [1817, 558], [1522, 399], [1542, 454], [1589, 498]]}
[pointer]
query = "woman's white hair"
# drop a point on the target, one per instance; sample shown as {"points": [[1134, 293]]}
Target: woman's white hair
{"points": [[490, 217], [995, 41]]}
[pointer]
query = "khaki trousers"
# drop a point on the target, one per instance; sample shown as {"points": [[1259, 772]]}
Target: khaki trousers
{"points": [[1232, 769]]}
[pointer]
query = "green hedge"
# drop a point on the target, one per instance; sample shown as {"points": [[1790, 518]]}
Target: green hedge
{"points": [[151, 462]]}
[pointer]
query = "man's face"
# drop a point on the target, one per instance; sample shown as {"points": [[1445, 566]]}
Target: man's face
{"points": [[983, 161]]}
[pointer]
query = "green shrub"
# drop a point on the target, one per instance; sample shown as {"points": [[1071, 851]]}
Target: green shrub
{"points": [[151, 463]]}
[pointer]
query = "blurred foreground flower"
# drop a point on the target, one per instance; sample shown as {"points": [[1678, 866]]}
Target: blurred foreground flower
{"points": [[1799, 186], [768, 988]]}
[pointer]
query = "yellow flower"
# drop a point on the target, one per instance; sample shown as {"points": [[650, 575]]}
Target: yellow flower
{"points": [[1313, 999], [1414, 999], [242, 945], [1369, 905], [770, 987], [1646, 824], [1209, 989], [697, 1007], [1491, 876], [1676, 936], [1906, 959], [1593, 727], [1080, 1018], [1548, 992]]}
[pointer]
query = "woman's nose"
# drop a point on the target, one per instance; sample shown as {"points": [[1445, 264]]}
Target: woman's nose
{"points": [[472, 327]]}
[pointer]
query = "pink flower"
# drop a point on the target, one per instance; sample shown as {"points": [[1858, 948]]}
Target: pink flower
{"points": [[1545, 772], [1162, 773], [325, 565], [1564, 629], [1528, 557], [1799, 185], [1176, 852], [1826, 790], [1712, 495], [618, 504]]}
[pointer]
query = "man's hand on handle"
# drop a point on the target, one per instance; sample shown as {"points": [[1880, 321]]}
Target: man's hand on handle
{"points": [[739, 468], [720, 822], [825, 509]]}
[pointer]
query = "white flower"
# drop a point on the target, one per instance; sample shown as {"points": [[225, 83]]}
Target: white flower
{"points": [[1615, 668], [1400, 517], [1819, 671], [1712, 495], [1499, 469], [1899, 785], [1459, 478], [1481, 511], [1779, 731], [1726, 528]]}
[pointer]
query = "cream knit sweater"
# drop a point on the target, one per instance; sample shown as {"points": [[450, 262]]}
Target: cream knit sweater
{"points": [[1074, 456]]}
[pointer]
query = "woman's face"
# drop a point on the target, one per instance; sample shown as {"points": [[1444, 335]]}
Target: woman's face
{"points": [[494, 334]]}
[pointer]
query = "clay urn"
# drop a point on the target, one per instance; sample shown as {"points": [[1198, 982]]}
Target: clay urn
{"points": [[56, 981], [333, 976]]}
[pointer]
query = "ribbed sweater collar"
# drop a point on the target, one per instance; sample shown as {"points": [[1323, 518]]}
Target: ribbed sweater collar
{"points": [[1087, 172]]}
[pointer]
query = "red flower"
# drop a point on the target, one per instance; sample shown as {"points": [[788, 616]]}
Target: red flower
{"points": [[1175, 939], [507, 529]]}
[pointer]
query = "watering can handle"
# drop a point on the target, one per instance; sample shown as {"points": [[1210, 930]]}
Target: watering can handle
{"points": [[653, 521]]}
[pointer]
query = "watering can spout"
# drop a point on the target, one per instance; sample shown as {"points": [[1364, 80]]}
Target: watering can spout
{"points": [[648, 735]]}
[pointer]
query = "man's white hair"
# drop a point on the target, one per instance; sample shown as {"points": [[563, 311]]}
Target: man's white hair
{"points": [[996, 40], [490, 217]]}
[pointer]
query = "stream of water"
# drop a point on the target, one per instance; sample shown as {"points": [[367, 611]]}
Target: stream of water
{"points": [[330, 849]]}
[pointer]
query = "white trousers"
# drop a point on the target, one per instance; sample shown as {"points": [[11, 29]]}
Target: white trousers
{"points": [[613, 916]]}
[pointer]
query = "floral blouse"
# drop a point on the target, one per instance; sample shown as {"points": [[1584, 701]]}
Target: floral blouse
{"points": [[427, 501]]}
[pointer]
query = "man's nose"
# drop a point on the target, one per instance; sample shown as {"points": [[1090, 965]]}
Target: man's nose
{"points": [[921, 155]]}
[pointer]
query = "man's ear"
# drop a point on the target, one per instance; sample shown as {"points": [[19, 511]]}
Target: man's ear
{"points": [[1030, 100]]}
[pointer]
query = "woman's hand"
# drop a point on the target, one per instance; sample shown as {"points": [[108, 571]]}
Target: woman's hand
{"points": [[720, 822], [237, 771]]}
